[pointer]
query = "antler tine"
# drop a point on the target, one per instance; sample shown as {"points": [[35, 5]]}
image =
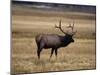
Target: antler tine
{"points": [[73, 25], [60, 27], [73, 28], [56, 26], [69, 25]]}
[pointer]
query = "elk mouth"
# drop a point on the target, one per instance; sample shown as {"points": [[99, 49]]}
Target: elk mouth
{"points": [[72, 40]]}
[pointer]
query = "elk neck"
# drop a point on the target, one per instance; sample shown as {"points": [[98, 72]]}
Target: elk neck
{"points": [[67, 39]]}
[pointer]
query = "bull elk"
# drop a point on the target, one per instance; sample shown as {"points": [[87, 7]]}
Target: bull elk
{"points": [[54, 41]]}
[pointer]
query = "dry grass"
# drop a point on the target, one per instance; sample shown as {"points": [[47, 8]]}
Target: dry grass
{"points": [[25, 26], [78, 55]]}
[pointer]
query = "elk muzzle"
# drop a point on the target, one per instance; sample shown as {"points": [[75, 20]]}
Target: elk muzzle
{"points": [[72, 40]]}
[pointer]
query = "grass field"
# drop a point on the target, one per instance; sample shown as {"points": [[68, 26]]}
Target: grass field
{"points": [[27, 23]]}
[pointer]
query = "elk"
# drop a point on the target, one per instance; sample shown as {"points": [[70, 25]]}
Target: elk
{"points": [[54, 41]]}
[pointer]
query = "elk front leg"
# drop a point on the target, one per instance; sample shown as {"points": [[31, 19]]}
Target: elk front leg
{"points": [[38, 53], [51, 52], [56, 53]]}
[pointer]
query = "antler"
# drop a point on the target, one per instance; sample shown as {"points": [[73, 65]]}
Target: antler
{"points": [[60, 27], [72, 27]]}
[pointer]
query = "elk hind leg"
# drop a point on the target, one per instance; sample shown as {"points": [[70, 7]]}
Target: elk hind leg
{"points": [[40, 49]]}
